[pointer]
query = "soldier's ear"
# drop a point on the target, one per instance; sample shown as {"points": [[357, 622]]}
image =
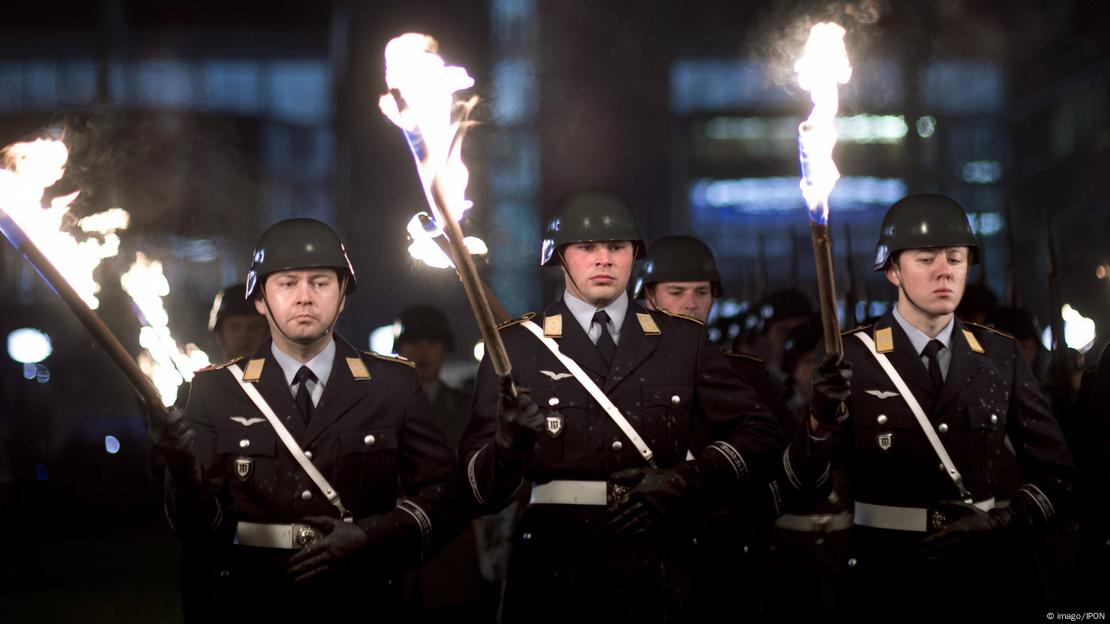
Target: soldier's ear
{"points": [[260, 305], [893, 275]]}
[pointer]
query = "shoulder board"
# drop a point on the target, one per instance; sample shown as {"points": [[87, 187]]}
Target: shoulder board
{"points": [[516, 321], [214, 367], [854, 330], [390, 358], [681, 316], [744, 356], [990, 329]]}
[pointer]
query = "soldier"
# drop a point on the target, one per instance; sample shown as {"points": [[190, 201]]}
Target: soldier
{"points": [[449, 586], [920, 407], [309, 472], [236, 323], [608, 459]]}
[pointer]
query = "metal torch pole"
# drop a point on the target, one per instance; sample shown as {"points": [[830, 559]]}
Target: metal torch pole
{"points": [[826, 284]]}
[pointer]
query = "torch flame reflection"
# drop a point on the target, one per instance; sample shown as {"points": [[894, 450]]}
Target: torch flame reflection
{"points": [[167, 365], [823, 66]]}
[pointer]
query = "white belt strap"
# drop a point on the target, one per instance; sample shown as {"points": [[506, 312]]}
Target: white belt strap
{"points": [[570, 493], [290, 443], [919, 414], [595, 392], [894, 518]]}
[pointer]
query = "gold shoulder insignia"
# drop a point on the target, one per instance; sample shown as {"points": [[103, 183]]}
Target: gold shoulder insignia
{"points": [[358, 368], [214, 367], [390, 358], [681, 316], [993, 330], [884, 340], [553, 326], [744, 356], [648, 324], [516, 321], [973, 342], [848, 332]]}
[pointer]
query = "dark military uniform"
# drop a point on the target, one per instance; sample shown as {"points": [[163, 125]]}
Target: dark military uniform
{"points": [[665, 377], [372, 436], [989, 392]]}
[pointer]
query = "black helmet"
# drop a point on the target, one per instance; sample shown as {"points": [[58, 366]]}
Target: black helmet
{"points": [[679, 259], [298, 244], [591, 215], [923, 221], [423, 322], [784, 304], [1019, 322], [230, 301]]}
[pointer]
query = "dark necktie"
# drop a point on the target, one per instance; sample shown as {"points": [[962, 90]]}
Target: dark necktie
{"points": [[304, 397], [605, 343], [931, 351]]}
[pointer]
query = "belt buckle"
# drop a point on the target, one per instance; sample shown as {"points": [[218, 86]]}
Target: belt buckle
{"points": [[938, 520], [305, 535], [617, 493]]}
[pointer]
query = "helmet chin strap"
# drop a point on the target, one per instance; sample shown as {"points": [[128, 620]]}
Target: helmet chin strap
{"points": [[577, 288]]}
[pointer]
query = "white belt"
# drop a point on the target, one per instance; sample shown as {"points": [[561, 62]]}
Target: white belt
{"points": [[903, 518], [815, 523], [262, 535], [570, 493]]}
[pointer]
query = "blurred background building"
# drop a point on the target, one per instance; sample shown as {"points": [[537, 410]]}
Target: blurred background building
{"points": [[208, 121]]}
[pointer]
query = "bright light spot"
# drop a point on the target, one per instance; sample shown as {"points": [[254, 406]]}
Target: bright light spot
{"points": [[732, 307], [479, 350], [111, 444], [982, 171], [926, 126], [29, 346], [42, 373], [987, 223], [425, 249], [381, 339], [29, 371], [1079, 331], [780, 194]]}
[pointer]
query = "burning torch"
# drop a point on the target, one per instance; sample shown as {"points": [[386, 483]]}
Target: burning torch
{"points": [[422, 103], [823, 66]]}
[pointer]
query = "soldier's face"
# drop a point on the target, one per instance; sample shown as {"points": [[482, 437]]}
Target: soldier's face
{"points": [[302, 303], [689, 298], [932, 279], [427, 355], [241, 334], [598, 272]]}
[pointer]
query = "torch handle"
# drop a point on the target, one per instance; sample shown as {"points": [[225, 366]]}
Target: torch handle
{"points": [[826, 286], [99, 331], [500, 314]]}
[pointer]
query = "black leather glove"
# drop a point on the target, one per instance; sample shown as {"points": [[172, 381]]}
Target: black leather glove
{"points": [[169, 430], [341, 541], [519, 423], [832, 386], [973, 528], [656, 495]]}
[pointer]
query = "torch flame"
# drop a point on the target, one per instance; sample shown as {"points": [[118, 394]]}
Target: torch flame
{"points": [[29, 169], [425, 249], [422, 103], [167, 365], [823, 66]]}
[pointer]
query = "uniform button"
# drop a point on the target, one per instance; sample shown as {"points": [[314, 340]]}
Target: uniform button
{"points": [[369, 440], [852, 562], [308, 454], [881, 419], [553, 401], [675, 400], [306, 495], [244, 443], [943, 428], [617, 445], [994, 419]]}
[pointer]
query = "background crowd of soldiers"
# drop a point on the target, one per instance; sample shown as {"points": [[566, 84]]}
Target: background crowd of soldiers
{"points": [[773, 550]]}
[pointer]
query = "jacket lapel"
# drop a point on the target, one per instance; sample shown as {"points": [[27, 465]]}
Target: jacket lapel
{"points": [[273, 387], [962, 368], [340, 394], [907, 361], [633, 348], [575, 344]]}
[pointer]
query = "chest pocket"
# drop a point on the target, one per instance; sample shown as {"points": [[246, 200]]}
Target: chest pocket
{"points": [[665, 423], [255, 441]]}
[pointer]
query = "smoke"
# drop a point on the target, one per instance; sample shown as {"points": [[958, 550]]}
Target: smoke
{"points": [[782, 32]]}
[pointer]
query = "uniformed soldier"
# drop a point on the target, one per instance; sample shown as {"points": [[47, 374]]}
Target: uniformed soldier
{"points": [[920, 407], [309, 472], [449, 586], [607, 457], [235, 322]]}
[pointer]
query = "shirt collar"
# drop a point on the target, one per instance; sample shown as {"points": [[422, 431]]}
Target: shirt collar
{"points": [[319, 365], [584, 312], [919, 338]]}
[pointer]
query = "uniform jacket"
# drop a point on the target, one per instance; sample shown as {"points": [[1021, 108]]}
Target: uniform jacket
{"points": [[665, 377], [989, 392], [372, 437]]}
